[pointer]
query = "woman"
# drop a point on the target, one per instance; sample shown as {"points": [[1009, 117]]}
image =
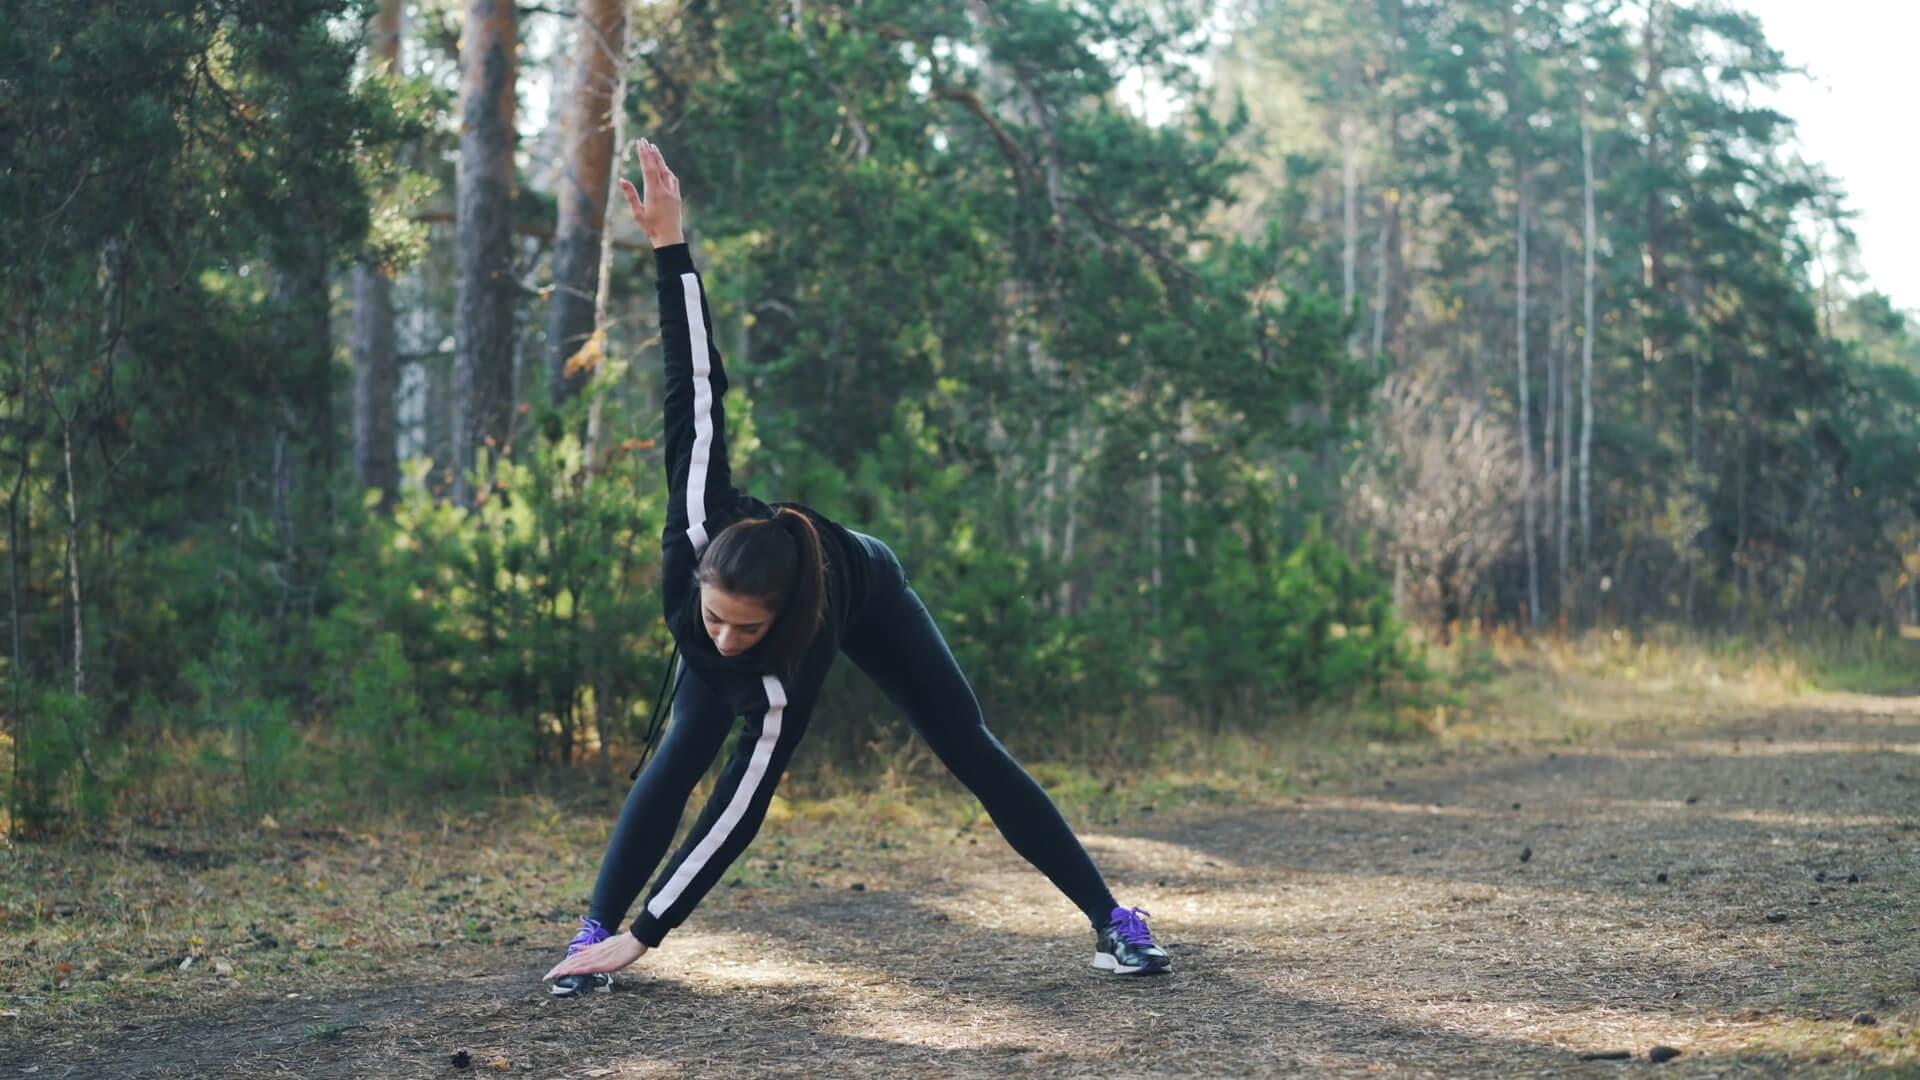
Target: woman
{"points": [[760, 599]]}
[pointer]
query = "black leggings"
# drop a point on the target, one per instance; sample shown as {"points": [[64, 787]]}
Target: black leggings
{"points": [[894, 640]]}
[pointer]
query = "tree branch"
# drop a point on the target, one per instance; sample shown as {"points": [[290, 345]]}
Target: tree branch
{"points": [[1015, 156], [520, 228]]}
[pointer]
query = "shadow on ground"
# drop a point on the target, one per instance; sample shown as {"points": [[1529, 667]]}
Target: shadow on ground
{"points": [[1742, 893]]}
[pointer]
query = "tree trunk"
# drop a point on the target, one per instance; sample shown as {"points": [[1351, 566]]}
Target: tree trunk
{"points": [[376, 379], [581, 257], [376, 375], [1565, 407], [1586, 350], [1350, 219], [1520, 325], [1387, 272], [1550, 413], [1154, 539], [483, 316], [301, 309], [73, 560], [17, 570], [1652, 276], [1526, 405], [1069, 533]]}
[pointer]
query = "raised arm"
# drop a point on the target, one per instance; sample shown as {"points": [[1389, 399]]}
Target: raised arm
{"points": [[702, 498]]}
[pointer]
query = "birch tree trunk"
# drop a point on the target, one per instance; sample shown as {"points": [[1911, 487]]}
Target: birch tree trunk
{"points": [[582, 255], [483, 252]]}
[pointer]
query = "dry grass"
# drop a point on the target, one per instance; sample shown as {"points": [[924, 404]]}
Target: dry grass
{"points": [[1727, 868]]}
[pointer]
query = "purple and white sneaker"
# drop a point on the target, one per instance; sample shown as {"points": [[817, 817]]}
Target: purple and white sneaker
{"points": [[591, 933], [1126, 946]]}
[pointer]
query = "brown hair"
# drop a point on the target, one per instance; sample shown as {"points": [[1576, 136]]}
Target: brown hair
{"points": [[780, 563]]}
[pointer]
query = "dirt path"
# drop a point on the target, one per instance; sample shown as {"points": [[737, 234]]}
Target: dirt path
{"points": [[1742, 893]]}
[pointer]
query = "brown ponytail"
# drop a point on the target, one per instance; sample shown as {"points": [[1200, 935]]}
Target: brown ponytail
{"points": [[780, 563]]}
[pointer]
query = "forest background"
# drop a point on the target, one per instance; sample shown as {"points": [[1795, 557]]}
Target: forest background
{"points": [[1208, 364]]}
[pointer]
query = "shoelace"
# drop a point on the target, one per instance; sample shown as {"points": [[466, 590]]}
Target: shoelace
{"points": [[591, 933], [1130, 926]]}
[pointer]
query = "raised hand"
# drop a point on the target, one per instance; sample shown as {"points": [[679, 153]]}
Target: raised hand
{"points": [[657, 211]]}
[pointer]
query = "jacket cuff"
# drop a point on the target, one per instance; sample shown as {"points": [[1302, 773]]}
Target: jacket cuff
{"points": [[647, 930], [674, 259]]}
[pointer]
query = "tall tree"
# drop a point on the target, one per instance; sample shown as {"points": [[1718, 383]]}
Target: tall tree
{"points": [[1587, 333], [487, 289], [582, 250], [1517, 119], [376, 374]]}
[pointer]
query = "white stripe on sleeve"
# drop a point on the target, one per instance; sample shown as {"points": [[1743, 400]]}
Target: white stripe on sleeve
{"points": [[702, 414], [743, 795]]}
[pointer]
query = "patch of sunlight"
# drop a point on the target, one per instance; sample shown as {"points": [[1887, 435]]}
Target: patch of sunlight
{"points": [[1753, 817], [1754, 748], [741, 960], [1159, 854], [870, 1003], [1775, 817], [1386, 806]]}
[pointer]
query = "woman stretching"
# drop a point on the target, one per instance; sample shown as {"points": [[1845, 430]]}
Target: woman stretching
{"points": [[760, 598]]}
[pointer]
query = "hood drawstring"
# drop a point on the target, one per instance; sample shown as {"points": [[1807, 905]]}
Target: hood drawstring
{"points": [[662, 705]]}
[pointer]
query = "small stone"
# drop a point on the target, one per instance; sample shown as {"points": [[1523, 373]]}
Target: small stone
{"points": [[1776, 916], [1865, 1019], [1662, 1053]]}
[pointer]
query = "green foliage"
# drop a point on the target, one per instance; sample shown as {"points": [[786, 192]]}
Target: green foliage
{"points": [[246, 738], [470, 648]]}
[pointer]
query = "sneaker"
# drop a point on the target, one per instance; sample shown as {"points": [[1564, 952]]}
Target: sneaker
{"points": [[1126, 946], [591, 933]]}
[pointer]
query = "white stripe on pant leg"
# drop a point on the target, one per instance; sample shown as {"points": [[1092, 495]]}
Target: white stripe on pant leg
{"points": [[702, 414], [729, 820]]}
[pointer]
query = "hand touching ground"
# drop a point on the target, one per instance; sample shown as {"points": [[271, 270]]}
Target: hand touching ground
{"points": [[610, 955]]}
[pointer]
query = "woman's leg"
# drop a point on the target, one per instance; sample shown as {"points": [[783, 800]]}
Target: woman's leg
{"points": [[895, 641], [659, 798]]}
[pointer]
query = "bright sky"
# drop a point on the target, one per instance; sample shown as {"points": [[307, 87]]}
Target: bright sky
{"points": [[1857, 115]]}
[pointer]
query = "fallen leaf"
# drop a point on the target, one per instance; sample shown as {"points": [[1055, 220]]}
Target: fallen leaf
{"points": [[222, 967], [499, 1063], [187, 963]]}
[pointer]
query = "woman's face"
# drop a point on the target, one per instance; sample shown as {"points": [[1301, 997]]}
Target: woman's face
{"points": [[735, 623]]}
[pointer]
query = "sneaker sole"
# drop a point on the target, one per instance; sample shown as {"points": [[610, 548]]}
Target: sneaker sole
{"points": [[581, 988], [1106, 962]]}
